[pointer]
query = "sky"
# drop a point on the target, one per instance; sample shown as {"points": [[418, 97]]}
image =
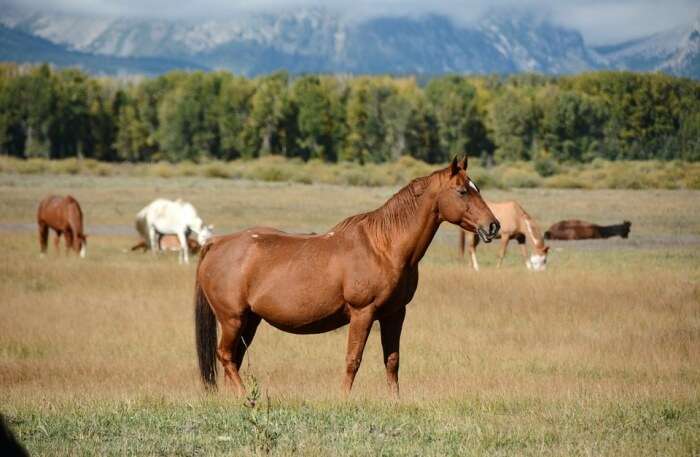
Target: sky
{"points": [[600, 21]]}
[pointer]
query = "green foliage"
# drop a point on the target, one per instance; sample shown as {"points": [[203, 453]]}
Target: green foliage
{"points": [[460, 125], [198, 117]]}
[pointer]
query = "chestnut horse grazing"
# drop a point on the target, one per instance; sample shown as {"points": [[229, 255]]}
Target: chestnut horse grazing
{"points": [[515, 224], [64, 216], [363, 269], [581, 230], [169, 243]]}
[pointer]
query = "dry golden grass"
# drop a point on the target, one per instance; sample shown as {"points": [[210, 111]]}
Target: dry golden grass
{"points": [[610, 323]]}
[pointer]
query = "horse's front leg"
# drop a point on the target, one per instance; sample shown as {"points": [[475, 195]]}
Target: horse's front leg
{"points": [[68, 235], [153, 239], [526, 255], [390, 327], [360, 325], [57, 241], [502, 252], [182, 238]]}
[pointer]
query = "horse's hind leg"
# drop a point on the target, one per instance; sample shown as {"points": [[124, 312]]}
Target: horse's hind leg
{"points": [[246, 339], [232, 329]]}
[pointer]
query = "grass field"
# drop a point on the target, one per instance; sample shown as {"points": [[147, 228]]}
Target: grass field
{"points": [[599, 355]]}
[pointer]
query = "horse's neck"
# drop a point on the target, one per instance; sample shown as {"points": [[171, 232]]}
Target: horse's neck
{"points": [[408, 245], [533, 232], [610, 230]]}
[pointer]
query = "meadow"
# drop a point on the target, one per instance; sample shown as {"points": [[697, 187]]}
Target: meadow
{"points": [[599, 355]]}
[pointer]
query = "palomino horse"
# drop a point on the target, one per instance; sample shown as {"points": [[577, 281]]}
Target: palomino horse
{"points": [[363, 269], [169, 243], [167, 217], [64, 216], [515, 224], [580, 230]]}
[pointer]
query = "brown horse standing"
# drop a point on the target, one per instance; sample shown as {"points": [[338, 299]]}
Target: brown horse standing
{"points": [[581, 230], [364, 269], [515, 224], [64, 216]]}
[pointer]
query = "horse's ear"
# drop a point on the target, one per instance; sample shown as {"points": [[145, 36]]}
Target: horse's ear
{"points": [[464, 162], [454, 167]]}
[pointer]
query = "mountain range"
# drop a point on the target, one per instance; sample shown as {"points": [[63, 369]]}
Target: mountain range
{"points": [[318, 40]]}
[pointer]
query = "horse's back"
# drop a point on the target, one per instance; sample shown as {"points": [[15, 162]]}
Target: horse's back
{"points": [[508, 214], [60, 213], [572, 229], [168, 215]]}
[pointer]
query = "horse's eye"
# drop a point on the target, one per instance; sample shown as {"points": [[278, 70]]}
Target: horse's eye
{"points": [[462, 191]]}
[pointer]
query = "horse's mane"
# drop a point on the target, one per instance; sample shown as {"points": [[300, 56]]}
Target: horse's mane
{"points": [[534, 229], [394, 216]]}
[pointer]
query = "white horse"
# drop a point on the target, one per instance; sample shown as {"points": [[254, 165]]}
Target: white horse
{"points": [[167, 217]]}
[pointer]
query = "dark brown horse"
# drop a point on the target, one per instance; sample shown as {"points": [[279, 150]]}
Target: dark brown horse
{"points": [[64, 216], [363, 269], [581, 230]]}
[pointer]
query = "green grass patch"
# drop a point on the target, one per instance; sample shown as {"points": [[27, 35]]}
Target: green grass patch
{"points": [[218, 426]]}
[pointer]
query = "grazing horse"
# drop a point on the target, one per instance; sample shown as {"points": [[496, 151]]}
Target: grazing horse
{"points": [[169, 243], [515, 224], [64, 216], [581, 230], [167, 217], [363, 269]]}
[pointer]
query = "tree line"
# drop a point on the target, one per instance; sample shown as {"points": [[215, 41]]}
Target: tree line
{"points": [[199, 116]]}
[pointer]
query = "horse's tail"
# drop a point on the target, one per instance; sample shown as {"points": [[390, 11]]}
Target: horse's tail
{"points": [[205, 332]]}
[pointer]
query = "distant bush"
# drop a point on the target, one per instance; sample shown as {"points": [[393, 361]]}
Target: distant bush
{"points": [[517, 177], [162, 170], [599, 174], [546, 167], [215, 170], [565, 182], [32, 166]]}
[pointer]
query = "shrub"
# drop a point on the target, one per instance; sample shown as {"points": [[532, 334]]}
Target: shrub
{"points": [[566, 182], [66, 166], [546, 167], [514, 177], [187, 168], [216, 170], [32, 166], [484, 179], [162, 169]]}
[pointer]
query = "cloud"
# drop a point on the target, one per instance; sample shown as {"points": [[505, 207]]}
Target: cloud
{"points": [[600, 21]]}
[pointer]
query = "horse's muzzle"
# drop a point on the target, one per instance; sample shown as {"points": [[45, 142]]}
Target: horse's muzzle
{"points": [[485, 236]]}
